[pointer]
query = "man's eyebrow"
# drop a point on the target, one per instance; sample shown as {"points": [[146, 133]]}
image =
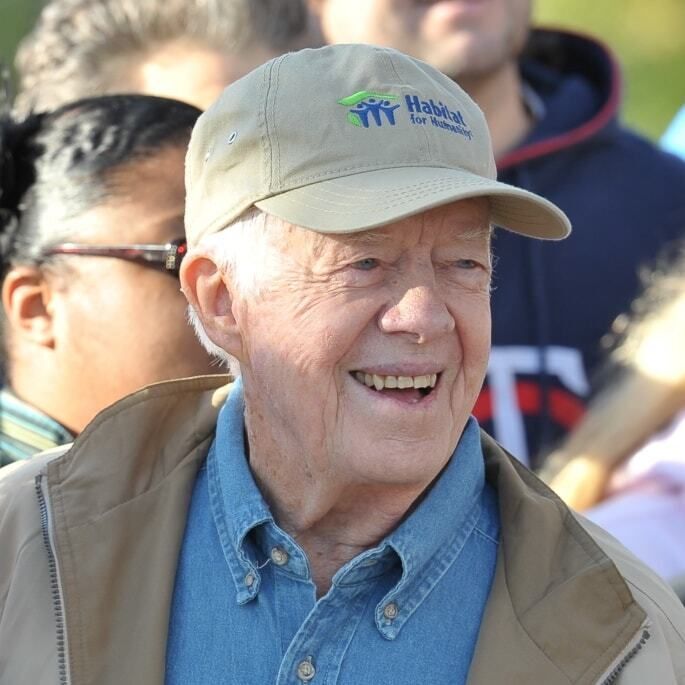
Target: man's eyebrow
{"points": [[323, 242], [370, 238], [468, 233], [477, 232]]}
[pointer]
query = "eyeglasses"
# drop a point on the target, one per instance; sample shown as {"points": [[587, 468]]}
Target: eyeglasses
{"points": [[166, 258]]}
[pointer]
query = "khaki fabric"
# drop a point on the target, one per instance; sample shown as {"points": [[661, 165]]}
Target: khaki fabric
{"points": [[346, 138], [568, 602]]}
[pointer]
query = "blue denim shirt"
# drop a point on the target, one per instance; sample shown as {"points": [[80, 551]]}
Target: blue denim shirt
{"points": [[408, 611]]}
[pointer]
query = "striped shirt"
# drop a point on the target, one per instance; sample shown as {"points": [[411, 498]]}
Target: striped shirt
{"points": [[25, 431]]}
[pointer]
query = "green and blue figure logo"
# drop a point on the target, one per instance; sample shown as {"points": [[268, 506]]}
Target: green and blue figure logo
{"points": [[366, 106]]}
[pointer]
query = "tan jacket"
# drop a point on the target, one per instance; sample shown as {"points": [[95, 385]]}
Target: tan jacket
{"points": [[89, 540]]}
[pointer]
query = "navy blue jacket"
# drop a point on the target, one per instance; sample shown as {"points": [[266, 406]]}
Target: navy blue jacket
{"points": [[553, 302]]}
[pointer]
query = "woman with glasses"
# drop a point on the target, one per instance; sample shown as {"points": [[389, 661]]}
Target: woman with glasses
{"points": [[91, 237]]}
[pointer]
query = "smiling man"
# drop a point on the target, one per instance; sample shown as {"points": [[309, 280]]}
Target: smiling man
{"points": [[335, 516]]}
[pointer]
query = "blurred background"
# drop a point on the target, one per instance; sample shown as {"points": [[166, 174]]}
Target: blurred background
{"points": [[648, 37]]}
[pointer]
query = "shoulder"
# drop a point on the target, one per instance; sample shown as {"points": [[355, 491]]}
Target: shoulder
{"points": [[663, 607], [644, 151], [20, 521], [524, 489], [19, 515], [623, 180], [632, 158], [640, 164], [18, 478], [26, 607]]}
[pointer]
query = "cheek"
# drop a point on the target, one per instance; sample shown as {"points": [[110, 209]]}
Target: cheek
{"points": [[473, 325], [302, 337], [126, 311], [511, 23], [285, 349], [95, 307], [158, 323]]}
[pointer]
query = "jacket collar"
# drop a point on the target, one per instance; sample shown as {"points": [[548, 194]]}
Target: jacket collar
{"points": [[558, 611]]}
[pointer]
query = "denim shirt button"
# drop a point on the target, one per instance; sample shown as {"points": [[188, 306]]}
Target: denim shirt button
{"points": [[306, 670], [249, 580], [279, 556], [390, 611]]}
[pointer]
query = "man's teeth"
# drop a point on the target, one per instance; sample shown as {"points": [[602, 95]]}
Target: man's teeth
{"points": [[373, 380]]}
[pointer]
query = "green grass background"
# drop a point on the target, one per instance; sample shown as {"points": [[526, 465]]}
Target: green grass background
{"points": [[647, 35]]}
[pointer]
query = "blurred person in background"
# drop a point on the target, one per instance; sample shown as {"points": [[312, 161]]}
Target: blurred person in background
{"points": [[183, 49], [551, 100], [624, 464], [91, 219]]}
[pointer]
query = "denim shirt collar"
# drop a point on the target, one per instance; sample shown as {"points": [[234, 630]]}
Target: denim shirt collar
{"points": [[426, 543]]}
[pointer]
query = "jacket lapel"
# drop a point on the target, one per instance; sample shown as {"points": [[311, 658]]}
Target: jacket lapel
{"points": [[559, 611], [119, 500]]}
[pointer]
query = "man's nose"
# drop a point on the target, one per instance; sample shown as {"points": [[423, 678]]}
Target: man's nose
{"points": [[420, 312]]}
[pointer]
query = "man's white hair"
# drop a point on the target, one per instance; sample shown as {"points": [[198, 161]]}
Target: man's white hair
{"points": [[246, 250]]}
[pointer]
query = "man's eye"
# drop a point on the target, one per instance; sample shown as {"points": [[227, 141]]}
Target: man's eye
{"points": [[466, 263], [365, 264]]}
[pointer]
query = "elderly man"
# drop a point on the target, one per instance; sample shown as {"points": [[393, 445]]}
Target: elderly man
{"points": [[339, 518]]}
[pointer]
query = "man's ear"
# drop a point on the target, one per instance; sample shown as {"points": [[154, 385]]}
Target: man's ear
{"points": [[207, 292], [27, 298]]}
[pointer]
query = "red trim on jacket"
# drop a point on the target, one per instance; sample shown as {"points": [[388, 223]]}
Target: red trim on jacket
{"points": [[582, 132]]}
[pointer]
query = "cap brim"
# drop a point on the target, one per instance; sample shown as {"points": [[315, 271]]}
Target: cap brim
{"points": [[374, 198]]}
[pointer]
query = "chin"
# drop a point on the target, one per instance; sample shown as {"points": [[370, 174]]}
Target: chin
{"points": [[402, 464], [464, 58]]}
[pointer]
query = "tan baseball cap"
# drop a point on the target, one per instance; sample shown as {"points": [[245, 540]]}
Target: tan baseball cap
{"points": [[346, 138]]}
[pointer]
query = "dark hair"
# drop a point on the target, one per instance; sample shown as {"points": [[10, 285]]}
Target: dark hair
{"points": [[80, 47], [54, 166]]}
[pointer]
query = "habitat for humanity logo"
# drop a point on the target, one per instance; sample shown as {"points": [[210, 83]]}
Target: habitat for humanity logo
{"points": [[367, 106], [439, 115]]}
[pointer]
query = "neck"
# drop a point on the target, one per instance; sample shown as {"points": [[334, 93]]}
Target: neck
{"points": [[499, 96], [332, 519], [36, 380]]}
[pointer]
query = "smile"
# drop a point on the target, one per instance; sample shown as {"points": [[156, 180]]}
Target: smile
{"points": [[405, 388]]}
